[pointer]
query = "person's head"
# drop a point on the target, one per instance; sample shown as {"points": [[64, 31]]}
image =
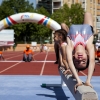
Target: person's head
{"points": [[55, 36], [61, 35], [81, 60], [27, 47]]}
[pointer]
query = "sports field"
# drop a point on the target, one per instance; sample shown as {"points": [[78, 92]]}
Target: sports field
{"points": [[22, 80]]}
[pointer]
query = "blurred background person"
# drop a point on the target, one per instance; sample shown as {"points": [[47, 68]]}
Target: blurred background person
{"points": [[41, 47], [97, 54], [45, 48], [28, 54], [97, 44], [1, 56]]}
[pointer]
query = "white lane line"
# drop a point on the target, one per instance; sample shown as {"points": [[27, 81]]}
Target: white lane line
{"points": [[18, 56], [14, 56], [9, 67], [21, 55], [8, 54], [11, 61], [83, 73], [36, 54], [43, 64], [98, 63], [30, 62]]}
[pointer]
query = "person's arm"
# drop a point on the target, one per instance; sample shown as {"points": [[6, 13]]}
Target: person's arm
{"points": [[71, 65], [69, 50], [65, 27], [60, 59], [90, 48], [64, 58]]}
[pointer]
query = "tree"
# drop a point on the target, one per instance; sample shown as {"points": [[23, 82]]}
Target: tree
{"points": [[32, 31], [76, 14], [73, 15], [42, 32], [62, 14], [43, 11], [24, 31], [10, 7]]}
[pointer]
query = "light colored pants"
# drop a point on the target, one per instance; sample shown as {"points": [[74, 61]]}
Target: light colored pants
{"points": [[27, 57]]}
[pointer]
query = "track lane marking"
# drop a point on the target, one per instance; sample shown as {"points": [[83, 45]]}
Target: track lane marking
{"points": [[83, 73], [18, 56], [9, 67], [12, 66], [44, 64], [30, 62], [9, 54], [35, 55], [14, 56]]}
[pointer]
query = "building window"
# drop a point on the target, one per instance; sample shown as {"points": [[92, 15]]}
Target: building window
{"points": [[98, 19], [98, 1], [98, 24], [90, 0], [72, 1], [56, 4]]}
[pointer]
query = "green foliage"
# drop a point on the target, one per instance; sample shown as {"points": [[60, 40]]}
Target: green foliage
{"points": [[42, 32], [76, 14], [62, 14], [43, 11], [10, 7], [73, 15], [27, 32]]}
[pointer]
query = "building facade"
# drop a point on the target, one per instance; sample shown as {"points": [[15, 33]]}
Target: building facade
{"points": [[50, 5], [47, 4], [92, 6]]}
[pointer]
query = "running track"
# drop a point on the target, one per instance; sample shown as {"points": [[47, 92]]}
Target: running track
{"points": [[43, 65]]}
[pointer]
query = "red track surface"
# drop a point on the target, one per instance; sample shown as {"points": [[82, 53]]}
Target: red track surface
{"points": [[34, 68]]}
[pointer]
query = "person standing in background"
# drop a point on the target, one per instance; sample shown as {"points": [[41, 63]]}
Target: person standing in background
{"points": [[45, 48]]}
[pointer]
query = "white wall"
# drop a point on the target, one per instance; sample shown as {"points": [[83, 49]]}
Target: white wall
{"points": [[7, 35]]}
